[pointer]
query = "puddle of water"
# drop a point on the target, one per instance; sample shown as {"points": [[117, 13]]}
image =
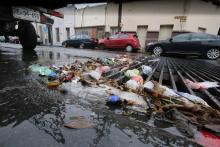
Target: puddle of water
{"points": [[33, 114]]}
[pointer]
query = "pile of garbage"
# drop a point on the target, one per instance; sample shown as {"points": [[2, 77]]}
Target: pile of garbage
{"points": [[128, 86]]}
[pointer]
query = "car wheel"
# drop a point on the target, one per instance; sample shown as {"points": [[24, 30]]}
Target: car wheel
{"points": [[82, 45], [157, 50], [213, 53], [27, 35], [129, 48], [65, 45], [102, 46]]}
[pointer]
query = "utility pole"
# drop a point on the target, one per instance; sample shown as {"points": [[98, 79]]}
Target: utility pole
{"points": [[119, 15]]}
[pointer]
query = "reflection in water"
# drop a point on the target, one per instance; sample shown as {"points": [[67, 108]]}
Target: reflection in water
{"points": [[45, 112], [29, 56], [58, 56], [51, 55], [134, 129]]}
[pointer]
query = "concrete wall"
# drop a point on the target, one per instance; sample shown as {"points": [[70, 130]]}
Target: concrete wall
{"points": [[90, 16], [151, 13], [203, 14]]}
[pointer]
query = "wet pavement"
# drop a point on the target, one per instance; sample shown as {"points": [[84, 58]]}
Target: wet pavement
{"points": [[33, 115]]}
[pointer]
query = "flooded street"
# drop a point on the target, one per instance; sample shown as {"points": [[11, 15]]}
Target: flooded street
{"points": [[33, 115]]}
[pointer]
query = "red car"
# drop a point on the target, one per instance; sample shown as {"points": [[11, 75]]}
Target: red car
{"points": [[127, 41]]}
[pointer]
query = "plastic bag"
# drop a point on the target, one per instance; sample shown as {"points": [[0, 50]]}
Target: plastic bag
{"points": [[42, 70], [95, 74], [193, 98], [131, 73], [138, 79], [104, 69], [132, 84], [159, 90], [201, 85], [147, 70]]}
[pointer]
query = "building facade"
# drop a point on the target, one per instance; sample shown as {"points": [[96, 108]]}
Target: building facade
{"points": [[152, 20], [63, 28]]}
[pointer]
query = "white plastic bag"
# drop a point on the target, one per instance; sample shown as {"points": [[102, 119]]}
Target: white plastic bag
{"points": [[193, 98], [132, 84], [201, 85], [147, 70], [95, 74]]}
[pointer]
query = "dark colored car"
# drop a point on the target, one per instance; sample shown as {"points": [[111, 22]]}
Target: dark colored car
{"points": [[127, 41], [188, 43], [80, 41]]}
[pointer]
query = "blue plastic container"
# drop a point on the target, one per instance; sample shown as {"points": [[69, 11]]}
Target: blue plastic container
{"points": [[113, 99]]}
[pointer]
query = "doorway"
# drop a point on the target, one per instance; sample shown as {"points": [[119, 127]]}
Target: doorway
{"points": [[142, 35], [165, 32]]}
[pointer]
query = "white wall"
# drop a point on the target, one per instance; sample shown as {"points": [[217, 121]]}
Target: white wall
{"points": [[154, 13], [203, 14], [151, 13], [62, 24], [90, 16]]}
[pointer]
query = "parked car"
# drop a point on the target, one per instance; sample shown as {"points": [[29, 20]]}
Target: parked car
{"points": [[188, 43], [81, 41], [127, 41], [2, 39], [14, 39]]}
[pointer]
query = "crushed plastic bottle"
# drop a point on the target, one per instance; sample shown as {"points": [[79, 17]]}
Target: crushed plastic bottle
{"points": [[113, 99]]}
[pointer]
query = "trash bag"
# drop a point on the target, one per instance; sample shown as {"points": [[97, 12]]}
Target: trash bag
{"points": [[131, 73], [147, 70], [42, 70]]}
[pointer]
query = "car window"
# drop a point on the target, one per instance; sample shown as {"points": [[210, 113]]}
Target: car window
{"points": [[85, 37], [124, 36], [114, 36], [182, 37], [199, 37], [73, 37]]}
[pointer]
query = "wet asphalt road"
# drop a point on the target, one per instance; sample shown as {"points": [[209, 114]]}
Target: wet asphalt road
{"points": [[32, 115]]}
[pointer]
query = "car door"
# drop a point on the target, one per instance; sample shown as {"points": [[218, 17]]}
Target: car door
{"points": [[179, 44], [201, 42], [111, 41], [122, 41], [72, 41]]}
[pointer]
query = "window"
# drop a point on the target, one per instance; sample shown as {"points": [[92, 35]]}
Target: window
{"points": [[201, 36], [201, 29], [182, 37], [113, 30], [67, 33], [124, 36], [82, 37], [73, 37], [57, 35], [114, 36]]}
